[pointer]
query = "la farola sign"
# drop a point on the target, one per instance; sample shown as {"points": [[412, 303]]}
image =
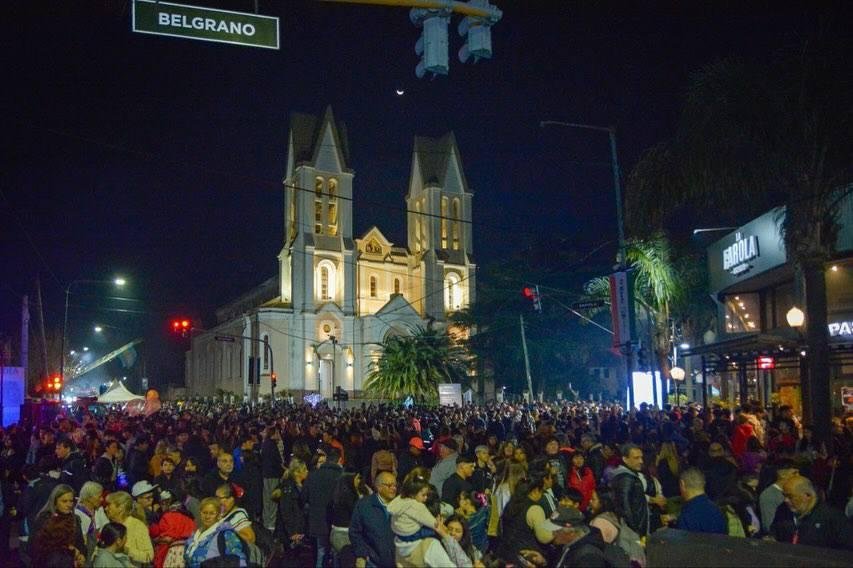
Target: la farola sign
{"points": [[206, 24], [737, 256]]}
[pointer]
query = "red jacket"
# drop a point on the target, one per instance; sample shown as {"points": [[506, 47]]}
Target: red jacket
{"points": [[172, 526], [742, 433], [583, 481]]}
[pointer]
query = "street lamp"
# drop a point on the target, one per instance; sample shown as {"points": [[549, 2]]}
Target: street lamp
{"points": [[713, 230], [118, 281], [796, 318], [677, 374], [98, 329]]}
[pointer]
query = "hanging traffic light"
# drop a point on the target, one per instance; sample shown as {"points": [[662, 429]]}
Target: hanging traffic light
{"points": [[273, 378], [478, 30], [432, 44], [532, 294], [181, 326]]}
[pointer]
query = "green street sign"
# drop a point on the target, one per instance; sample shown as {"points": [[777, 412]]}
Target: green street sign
{"points": [[206, 24]]}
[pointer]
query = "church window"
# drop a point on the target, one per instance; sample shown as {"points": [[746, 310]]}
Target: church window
{"points": [[318, 216], [373, 286], [418, 226], [325, 283], [333, 207], [444, 222], [457, 222], [266, 340], [452, 292], [318, 186], [396, 285]]}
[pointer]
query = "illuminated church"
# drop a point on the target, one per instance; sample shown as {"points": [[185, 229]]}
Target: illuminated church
{"points": [[336, 297]]}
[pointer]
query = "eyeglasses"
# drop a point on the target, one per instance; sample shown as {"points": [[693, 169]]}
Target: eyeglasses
{"points": [[388, 484]]}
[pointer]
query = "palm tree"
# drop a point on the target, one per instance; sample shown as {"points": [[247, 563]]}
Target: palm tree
{"points": [[754, 135], [414, 365]]}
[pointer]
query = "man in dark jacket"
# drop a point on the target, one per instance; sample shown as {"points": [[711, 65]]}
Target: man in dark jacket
{"points": [[272, 469], [720, 471], [594, 458], [72, 466], [317, 492], [817, 524], [370, 526], [411, 458], [699, 514], [106, 468], [628, 490], [137, 461]]}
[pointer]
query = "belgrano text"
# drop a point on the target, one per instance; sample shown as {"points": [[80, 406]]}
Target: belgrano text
{"points": [[207, 24]]}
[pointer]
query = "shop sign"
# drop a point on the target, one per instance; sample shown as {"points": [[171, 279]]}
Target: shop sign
{"points": [[766, 363], [737, 256], [841, 329]]}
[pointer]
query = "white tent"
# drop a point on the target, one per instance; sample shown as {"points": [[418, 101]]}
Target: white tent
{"points": [[118, 393]]}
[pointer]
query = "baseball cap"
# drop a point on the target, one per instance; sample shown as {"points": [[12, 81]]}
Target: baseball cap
{"points": [[416, 442], [141, 488]]}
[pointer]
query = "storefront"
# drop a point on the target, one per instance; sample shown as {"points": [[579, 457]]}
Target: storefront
{"points": [[754, 354]]}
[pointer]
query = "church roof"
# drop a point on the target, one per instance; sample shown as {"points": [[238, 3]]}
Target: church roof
{"points": [[306, 129], [433, 157]]}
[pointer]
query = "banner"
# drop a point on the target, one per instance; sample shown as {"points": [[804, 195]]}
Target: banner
{"points": [[450, 394], [622, 307]]}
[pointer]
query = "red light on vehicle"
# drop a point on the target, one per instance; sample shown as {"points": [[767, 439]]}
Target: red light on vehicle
{"points": [[766, 363]]}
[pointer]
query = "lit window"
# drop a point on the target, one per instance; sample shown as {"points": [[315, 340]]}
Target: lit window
{"points": [[373, 286], [453, 292], [324, 283], [318, 216], [444, 222], [396, 285], [318, 186], [457, 221], [325, 280], [332, 213]]}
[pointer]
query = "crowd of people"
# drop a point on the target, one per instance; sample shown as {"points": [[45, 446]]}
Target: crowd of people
{"points": [[563, 483]]}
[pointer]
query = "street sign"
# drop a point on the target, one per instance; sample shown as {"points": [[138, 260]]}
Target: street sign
{"points": [[227, 338], [206, 24], [588, 304]]}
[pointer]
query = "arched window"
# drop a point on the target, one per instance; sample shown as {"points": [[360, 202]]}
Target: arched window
{"points": [[325, 283], [318, 205], [396, 285], [452, 292], [417, 226], [444, 222], [457, 222], [332, 211], [373, 286], [266, 340]]}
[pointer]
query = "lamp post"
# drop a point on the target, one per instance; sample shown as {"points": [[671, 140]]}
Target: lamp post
{"points": [[677, 374], [621, 258], [116, 282]]}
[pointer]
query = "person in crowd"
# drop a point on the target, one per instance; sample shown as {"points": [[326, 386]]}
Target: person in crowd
{"points": [[136, 462], [112, 541], [457, 529], [119, 509], [414, 525], [272, 469], [483, 478], [156, 461], [72, 466], [446, 466], [505, 485], [292, 513], [228, 495], [370, 526], [382, 460], [668, 467], [349, 489], [582, 478], [145, 507], [592, 450], [772, 497], [753, 458], [459, 481], [559, 465], [224, 473], [629, 490], [816, 522], [56, 532], [473, 508], [698, 513], [317, 491], [719, 469], [214, 542], [411, 458], [168, 480], [170, 532], [91, 495]]}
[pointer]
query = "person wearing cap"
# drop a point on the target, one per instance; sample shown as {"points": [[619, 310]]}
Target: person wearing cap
{"points": [[484, 471], [458, 481], [145, 509], [410, 458]]}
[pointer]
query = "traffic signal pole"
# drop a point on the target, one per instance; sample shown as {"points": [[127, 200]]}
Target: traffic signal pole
{"points": [[526, 358]]}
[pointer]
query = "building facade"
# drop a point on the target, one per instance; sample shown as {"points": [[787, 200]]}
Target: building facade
{"points": [[754, 354], [337, 297]]}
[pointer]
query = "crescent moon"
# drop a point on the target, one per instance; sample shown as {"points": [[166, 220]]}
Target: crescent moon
{"points": [[400, 92]]}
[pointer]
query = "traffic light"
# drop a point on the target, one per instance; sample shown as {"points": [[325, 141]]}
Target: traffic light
{"points": [[273, 379], [54, 384], [479, 32], [432, 45], [643, 360], [181, 326], [532, 294]]}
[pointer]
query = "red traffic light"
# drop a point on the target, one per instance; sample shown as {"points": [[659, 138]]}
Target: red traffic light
{"points": [[528, 292], [185, 324], [181, 325]]}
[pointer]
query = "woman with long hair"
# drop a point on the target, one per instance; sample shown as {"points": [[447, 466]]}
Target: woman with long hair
{"points": [[505, 486], [119, 509], [668, 467], [56, 531], [291, 504], [457, 529], [111, 543], [580, 477]]}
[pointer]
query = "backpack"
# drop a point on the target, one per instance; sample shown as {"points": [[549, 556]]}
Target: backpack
{"points": [[253, 555]]}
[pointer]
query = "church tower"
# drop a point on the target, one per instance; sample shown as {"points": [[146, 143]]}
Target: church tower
{"points": [[316, 263], [439, 227]]}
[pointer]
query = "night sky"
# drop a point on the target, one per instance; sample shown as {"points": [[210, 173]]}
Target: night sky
{"points": [[161, 159]]}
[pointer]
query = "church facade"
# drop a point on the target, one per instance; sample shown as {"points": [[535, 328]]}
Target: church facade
{"points": [[337, 297]]}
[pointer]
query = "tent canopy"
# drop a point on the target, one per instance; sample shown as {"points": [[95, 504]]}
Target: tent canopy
{"points": [[118, 393]]}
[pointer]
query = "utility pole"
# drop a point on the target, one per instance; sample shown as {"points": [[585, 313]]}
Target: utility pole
{"points": [[526, 357], [41, 326], [25, 341]]}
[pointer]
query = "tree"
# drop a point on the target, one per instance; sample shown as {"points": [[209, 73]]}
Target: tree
{"points": [[414, 365], [753, 135]]}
